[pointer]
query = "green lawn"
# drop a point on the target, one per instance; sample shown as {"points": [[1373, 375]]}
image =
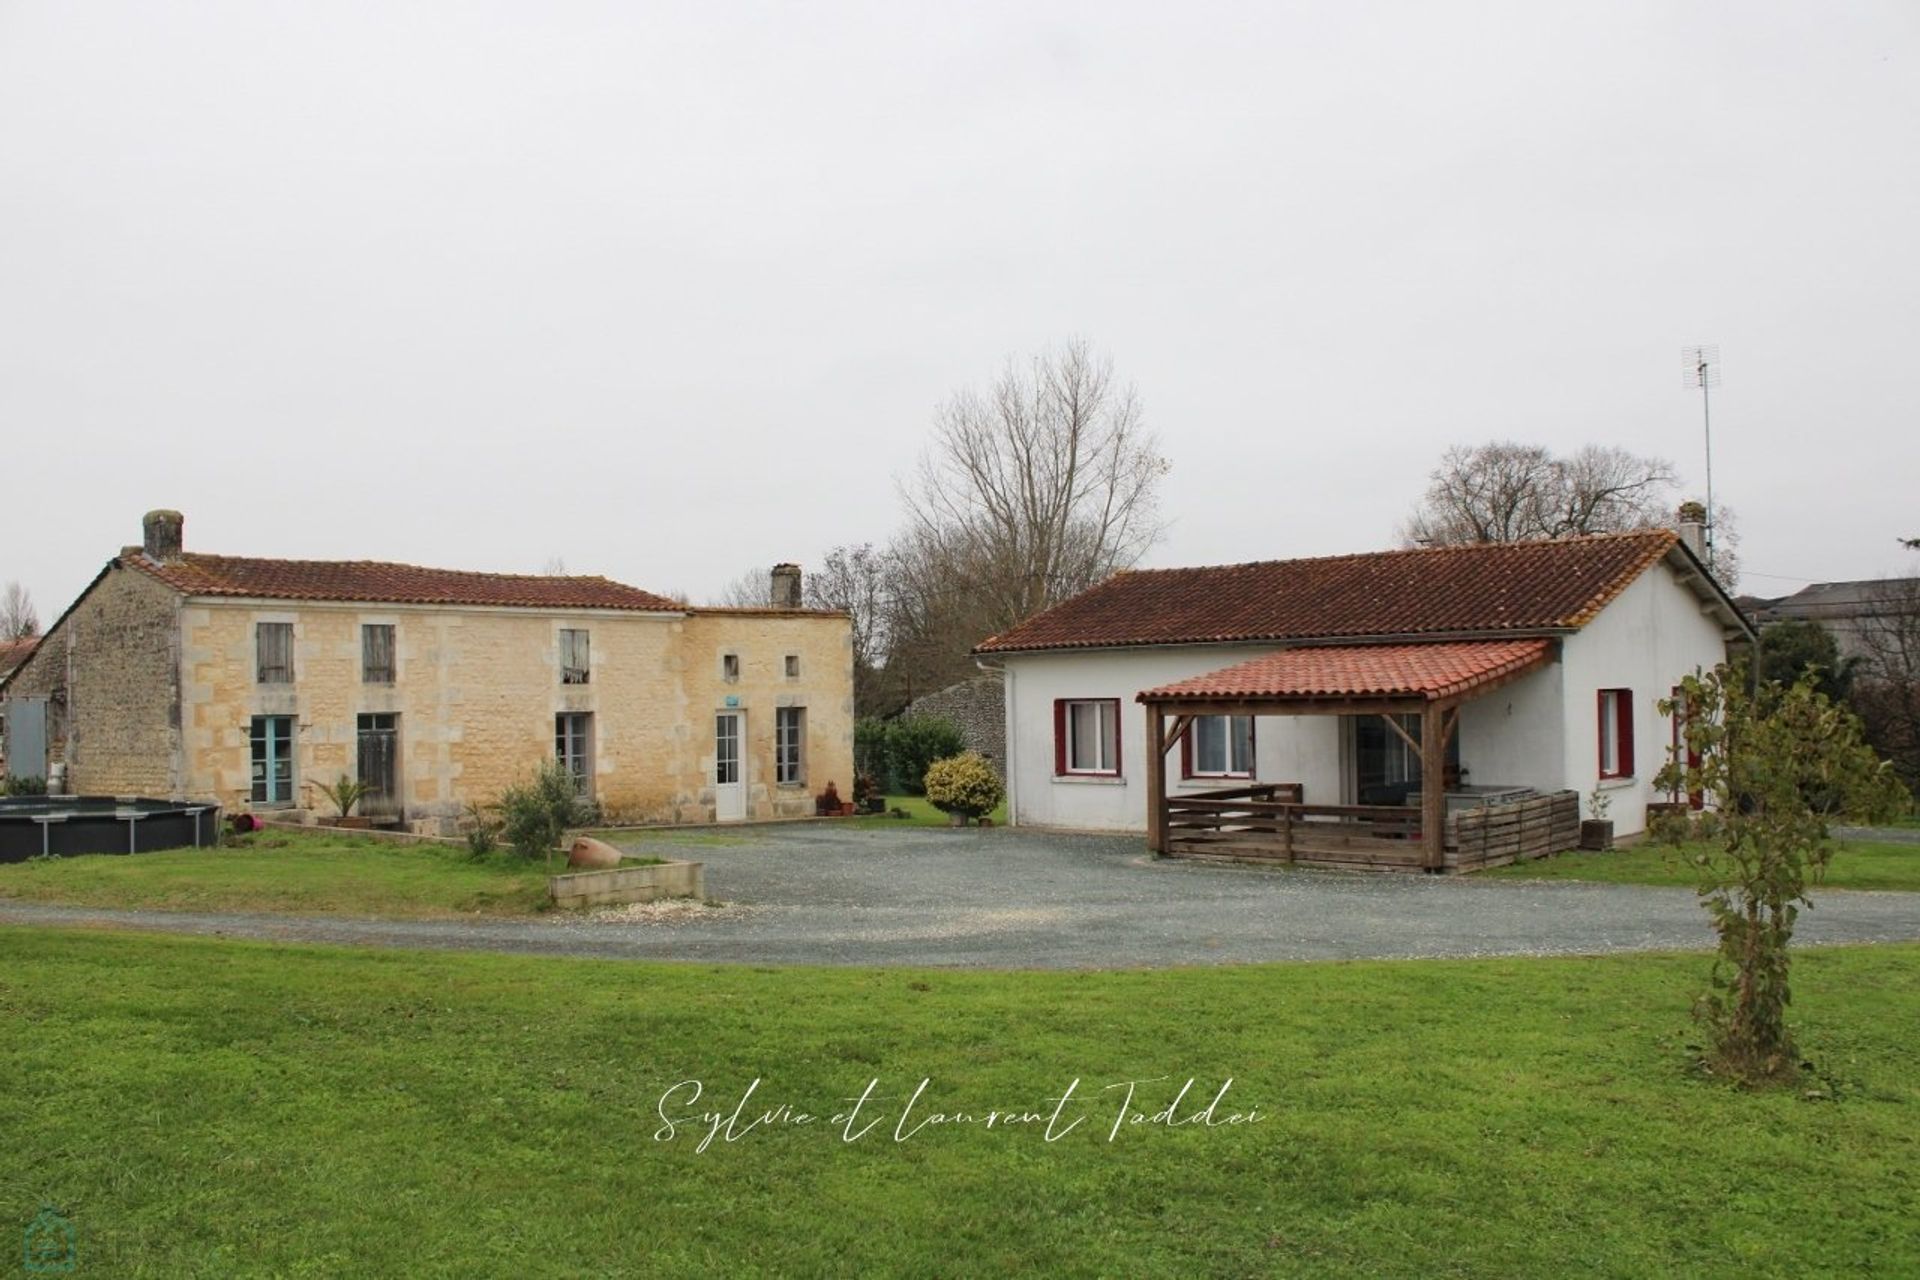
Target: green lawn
{"points": [[320, 872], [210, 1108], [919, 814], [1854, 866]]}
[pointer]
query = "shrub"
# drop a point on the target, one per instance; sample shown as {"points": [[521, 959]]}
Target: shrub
{"points": [[482, 830], [964, 784], [344, 794], [915, 742], [870, 747], [535, 813], [23, 786]]}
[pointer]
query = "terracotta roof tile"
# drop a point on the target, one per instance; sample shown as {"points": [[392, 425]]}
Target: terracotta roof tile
{"points": [[1434, 670], [14, 652], [372, 581], [1501, 587]]}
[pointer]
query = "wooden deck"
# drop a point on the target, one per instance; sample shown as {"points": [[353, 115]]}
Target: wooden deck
{"points": [[1270, 823]]}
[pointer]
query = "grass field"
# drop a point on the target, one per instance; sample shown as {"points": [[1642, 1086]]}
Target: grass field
{"points": [[919, 814], [209, 1108], [317, 873], [1854, 866]]}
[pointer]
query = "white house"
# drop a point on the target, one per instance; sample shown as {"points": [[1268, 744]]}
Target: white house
{"points": [[1537, 666]]}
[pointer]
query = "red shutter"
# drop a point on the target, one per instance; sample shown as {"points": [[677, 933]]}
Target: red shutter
{"points": [[1118, 737], [1186, 752], [1059, 736], [1624, 701]]}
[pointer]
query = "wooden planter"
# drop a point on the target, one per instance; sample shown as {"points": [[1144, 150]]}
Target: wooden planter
{"points": [[1596, 834], [628, 884], [351, 823]]}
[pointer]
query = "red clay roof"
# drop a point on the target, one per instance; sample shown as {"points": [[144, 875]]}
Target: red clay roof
{"points": [[1434, 670], [372, 581], [14, 652], [1501, 587]]}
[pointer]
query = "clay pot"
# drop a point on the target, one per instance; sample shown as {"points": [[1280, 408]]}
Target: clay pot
{"points": [[589, 854]]}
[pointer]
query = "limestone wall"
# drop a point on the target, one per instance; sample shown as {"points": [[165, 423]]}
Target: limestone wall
{"points": [[108, 672], [979, 708]]}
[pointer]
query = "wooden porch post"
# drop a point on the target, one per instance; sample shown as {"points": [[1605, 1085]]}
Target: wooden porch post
{"points": [[1433, 784], [1156, 780]]}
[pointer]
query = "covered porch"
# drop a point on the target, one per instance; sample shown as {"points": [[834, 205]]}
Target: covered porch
{"points": [[1421, 687]]}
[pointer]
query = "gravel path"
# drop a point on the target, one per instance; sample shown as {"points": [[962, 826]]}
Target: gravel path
{"points": [[1879, 835], [1007, 899]]}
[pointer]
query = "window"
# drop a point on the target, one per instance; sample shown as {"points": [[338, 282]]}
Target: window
{"points": [[1086, 736], [793, 666], [789, 738], [1219, 747], [573, 656], [378, 742], [271, 742], [1386, 764], [729, 667], [273, 652], [1616, 733], [573, 746], [376, 653]]}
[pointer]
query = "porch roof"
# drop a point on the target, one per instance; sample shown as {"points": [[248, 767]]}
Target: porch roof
{"points": [[1440, 671]]}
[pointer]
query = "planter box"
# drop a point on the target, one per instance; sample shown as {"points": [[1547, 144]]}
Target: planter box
{"points": [[1596, 834], [629, 884]]}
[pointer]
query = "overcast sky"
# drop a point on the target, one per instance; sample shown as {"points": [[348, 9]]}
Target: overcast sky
{"points": [[673, 290]]}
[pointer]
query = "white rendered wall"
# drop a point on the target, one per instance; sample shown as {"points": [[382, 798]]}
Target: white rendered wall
{"points": [[1646, 640], [1303, 749], [1514, 735]]}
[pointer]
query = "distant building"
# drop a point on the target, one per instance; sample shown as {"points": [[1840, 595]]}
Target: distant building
{"points": [[245, 681], [1848, 610]]}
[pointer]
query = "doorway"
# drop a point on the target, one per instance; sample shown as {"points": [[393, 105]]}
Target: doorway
{"points": [[729, 768]]}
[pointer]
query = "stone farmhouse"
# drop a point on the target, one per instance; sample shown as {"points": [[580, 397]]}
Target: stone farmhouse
{"points": [[1298, 708], [248, 681]]}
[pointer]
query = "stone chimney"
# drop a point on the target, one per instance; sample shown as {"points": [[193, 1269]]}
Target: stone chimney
{"points": [[786, 586], [164, 531], [1692, 525]]}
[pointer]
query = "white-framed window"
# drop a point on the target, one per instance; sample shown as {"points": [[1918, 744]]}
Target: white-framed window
{"points": [[573, 747], [789, 746], [1616, 733], [270, 743], [1219, 747], [575, 660], [1086, 738]]}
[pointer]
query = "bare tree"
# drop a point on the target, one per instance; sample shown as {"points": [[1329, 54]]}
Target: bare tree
{"points": [[1508, 492], [554, 567], [1886, 689], [857, 580], [750, 589], [18, 619], [1034, 489]]}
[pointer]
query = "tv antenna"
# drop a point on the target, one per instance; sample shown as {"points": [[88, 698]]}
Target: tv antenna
{"points": [[1702, 369]]}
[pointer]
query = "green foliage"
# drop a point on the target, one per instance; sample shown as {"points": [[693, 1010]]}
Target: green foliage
{"points": [[535, 813], [344, 793], [1789, 650], [870, 748], [965, 784], [482, 829], [914, 743], [34, 786], [1773, 764]]}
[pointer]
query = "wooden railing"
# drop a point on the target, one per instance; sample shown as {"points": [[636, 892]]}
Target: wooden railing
{"points": [[1269, 822]]}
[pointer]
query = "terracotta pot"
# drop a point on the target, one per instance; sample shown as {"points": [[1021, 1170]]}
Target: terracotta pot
{"points": [[592, 855]]}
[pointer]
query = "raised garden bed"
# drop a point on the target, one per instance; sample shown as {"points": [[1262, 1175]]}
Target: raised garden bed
{"points": [[647, 883]]}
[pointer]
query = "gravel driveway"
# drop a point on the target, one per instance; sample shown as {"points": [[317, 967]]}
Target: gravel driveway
{"points": [[817, 893]]}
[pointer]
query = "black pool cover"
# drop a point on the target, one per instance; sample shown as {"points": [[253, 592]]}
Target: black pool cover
{"points": [[35, 825]]}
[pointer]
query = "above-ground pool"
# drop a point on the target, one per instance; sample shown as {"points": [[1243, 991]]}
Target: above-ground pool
{"points": [[35, 825]]}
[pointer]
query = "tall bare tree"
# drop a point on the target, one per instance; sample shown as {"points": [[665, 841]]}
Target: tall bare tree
{"points": [[752, 588], [1508, 492], [857, 580], [18, 618], [1035, 488]]}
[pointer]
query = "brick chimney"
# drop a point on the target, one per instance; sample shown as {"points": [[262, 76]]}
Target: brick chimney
{"points": [[1692, 524], [164, 531], [786, 586]]}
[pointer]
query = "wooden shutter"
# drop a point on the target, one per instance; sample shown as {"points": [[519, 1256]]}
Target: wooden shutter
{"points": [[1059, 735], [1623, 730]]}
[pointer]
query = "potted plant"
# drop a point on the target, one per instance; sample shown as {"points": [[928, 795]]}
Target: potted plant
{"points": [[1596, 832], [964, 786], [866, 794], [345, 794]]}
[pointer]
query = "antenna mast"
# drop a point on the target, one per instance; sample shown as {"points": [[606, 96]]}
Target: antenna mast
{"points": [[1702, 369]]}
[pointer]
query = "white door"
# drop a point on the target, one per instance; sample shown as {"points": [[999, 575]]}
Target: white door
{"points": [[729, 768]]}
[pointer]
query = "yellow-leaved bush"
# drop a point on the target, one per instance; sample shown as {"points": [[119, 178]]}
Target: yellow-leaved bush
{"points": [[965, 783]]}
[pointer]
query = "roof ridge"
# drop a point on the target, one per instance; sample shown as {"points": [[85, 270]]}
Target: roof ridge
{"points": [[1455, 547]]}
